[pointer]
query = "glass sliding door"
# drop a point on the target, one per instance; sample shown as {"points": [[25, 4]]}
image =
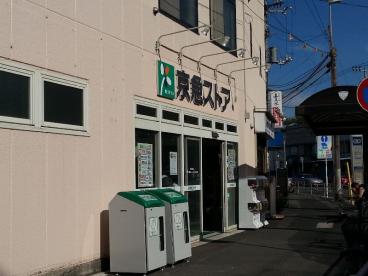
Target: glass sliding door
{"points": [[170, 160], [192, 185], [213, 186], [231, 185], [145, 158]]}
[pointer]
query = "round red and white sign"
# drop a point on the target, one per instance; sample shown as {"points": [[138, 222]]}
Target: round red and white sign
{"points": [[362, 94]]}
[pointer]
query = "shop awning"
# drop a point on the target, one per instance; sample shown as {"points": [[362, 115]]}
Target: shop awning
{"points": [[334, 111]]}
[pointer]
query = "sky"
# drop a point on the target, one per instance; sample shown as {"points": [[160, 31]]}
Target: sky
{"points": [[302, 35]]}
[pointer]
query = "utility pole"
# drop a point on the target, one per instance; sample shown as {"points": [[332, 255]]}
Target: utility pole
{"points": [[336, 138]]}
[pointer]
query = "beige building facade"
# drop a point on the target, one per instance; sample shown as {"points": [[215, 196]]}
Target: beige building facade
{"points": [[92, 103]]}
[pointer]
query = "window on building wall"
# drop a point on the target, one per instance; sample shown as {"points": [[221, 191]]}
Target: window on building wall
{"points": [[170, 159], [223, 21], [146, 110], [184, 12], [207, 123], [145, 158], [171, 116], [219, 126], [30, 97], [63, 104], [14, 95], [190, 120], [231, 128]]}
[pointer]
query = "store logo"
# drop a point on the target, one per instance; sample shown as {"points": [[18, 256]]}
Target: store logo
{"points": [[165, 80]]}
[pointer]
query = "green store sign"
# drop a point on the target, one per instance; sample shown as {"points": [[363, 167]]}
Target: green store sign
{"points": [[165, 80]]}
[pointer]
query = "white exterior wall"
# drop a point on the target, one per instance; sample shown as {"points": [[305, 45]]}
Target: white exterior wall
{"points": [[54, 186]]}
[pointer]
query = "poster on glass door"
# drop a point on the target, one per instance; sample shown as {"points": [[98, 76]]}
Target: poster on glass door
{"points": [[231, 164], [173, 163], [145, 165]]}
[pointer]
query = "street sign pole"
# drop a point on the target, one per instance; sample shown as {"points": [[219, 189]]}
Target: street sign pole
{"points": [[324, 151], [326, 177]]}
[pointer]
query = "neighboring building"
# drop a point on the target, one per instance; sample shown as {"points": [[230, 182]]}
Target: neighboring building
{"points": [[87, 110], [300, 152]]}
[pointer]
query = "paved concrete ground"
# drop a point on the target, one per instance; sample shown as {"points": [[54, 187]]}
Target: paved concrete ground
{"points": [[304, 243]]}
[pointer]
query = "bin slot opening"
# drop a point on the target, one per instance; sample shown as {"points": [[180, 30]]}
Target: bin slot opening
{"points": [[162, 237], [186, 228]]}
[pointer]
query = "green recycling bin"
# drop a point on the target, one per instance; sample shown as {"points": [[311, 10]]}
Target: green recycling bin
{"points": [[177, 224], [137, 232]]}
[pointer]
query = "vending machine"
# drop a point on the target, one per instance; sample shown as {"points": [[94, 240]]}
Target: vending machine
{"points": [[252, 202], [262, 185]]}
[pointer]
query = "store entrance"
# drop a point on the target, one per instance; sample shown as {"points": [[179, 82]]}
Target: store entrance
{"points": [[212, 186]]}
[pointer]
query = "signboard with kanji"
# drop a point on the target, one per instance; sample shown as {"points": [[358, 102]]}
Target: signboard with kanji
{"points": [[275, 101], [192, 89]]}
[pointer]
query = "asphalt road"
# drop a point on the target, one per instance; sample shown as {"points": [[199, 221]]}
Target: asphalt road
{"points": [[292, 246], [308, 241]]}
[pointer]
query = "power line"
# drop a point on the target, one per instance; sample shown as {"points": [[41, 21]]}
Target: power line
{"points": [[317, 18], [292, 92], [305, 86], [302, 77], [354, 5], [304, 89], [277, 28], [320, 19]]}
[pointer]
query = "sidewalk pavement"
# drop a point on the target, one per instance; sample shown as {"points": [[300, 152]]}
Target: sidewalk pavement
{"points": [[308, 241]]}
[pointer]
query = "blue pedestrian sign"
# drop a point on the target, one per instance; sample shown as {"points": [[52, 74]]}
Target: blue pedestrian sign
{"points": [[324, 147]]}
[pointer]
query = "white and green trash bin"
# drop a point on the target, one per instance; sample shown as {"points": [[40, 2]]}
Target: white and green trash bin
{"points": [[137, 232], [177, 224]]}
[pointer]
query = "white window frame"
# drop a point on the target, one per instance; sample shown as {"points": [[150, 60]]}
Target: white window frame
{"points": [[151, 118], [174, 110], [195, 115], [71, 82], [26, 73], [224, 130], [208, 119], [36, 106], [230, 132]]}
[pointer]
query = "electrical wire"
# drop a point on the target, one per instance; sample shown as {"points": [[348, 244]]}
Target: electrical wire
{"points": [[291, 92], [301, 77], [300, 90], [304, 89], [354, 5], [279, 29], [316, 18], [324, 29]]}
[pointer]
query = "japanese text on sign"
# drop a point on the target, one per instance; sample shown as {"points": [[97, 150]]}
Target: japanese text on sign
{"points": [[202, 92], [192, 89]]}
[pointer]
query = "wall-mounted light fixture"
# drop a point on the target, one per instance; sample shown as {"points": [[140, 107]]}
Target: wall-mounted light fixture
{"points": [[254, 61], [204, 30], [224, 40], [241, 54]]}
